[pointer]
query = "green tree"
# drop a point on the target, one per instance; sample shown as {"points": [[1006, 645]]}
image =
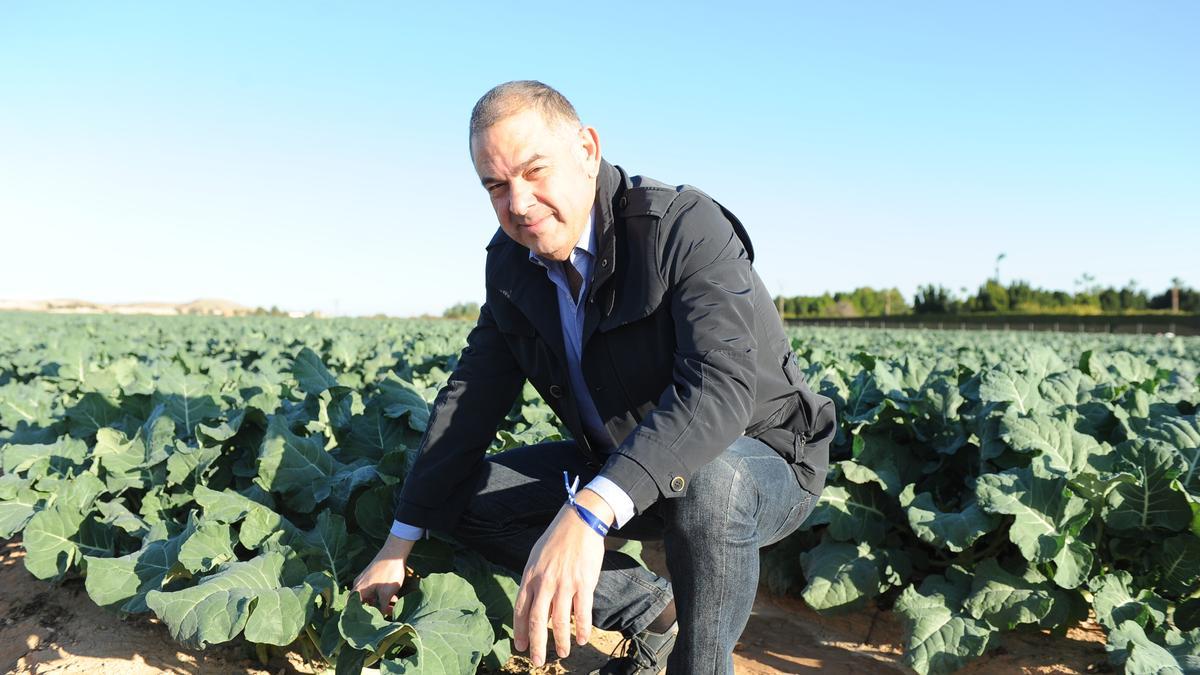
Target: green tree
{"points": [[462, 310], [992, 297]]}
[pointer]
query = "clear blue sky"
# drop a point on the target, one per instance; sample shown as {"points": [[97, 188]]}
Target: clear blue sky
{"points": [[313, 155]]}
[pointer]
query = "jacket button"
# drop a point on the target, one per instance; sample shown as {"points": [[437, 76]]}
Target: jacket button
{"points": [[677, 484], [556, 391], [624, 202], [604, 262]]}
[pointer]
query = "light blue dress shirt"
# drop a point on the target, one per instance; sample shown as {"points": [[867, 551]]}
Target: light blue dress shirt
{"points": [[571, 314]]}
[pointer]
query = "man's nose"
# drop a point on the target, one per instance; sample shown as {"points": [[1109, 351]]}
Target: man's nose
{"points": [[520, 198]]}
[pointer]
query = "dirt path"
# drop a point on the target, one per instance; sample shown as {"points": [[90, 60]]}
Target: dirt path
{"points": [[46, 628]]}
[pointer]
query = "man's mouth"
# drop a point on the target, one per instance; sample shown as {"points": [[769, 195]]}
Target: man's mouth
{"points": [[534, 223]]}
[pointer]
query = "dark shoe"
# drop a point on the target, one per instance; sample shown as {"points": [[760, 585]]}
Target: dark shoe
{"points": [[645, 654]]}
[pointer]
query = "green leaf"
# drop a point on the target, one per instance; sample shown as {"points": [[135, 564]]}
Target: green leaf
{"points": [[454, 633], [364, 627], [209, 545], [1115, 603], [1182, 434], [280, 614], [1154, 499], [373, 511], [124, 582], [259, 523], [1004, 384], [127, 463], [1129, 646], [373, 434], [1004, 600], [840, 575], [891, 464], [1177, 565], [953, 530], [1122, 368], [310, 372], [431, 556], [57, 537], [495, 587], [191, 463], [1068, 450], [66, 455], [854, 513], [393, 467], [36, 403], [349, 479], [118, 515], [1067, 389], [217, 609], [328, 547], [1185, 647], [17, 506], [1073, 564], [186, 398], [1045, 512], [296, 467], [350, 661], [403, 400], [937, 638], [1187, 614], [92, 413], [865, 402], [223, 430]]}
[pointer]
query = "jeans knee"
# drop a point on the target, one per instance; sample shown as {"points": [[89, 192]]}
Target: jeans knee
{"points": [[716, 492]]}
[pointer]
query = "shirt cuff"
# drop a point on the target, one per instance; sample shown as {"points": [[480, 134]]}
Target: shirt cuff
{"points": [[406, 531], [618, 500]]}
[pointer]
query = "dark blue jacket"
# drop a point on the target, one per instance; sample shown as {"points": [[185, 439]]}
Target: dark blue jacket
{"points": [[683, 350]]}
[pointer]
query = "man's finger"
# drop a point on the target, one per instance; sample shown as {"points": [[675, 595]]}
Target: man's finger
{"points": [[383, 594], [560, 615], [520, 611], [539, 615], [583, 616]]}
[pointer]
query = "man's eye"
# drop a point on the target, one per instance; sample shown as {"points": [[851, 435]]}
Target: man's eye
{"points": [[535, 170]]}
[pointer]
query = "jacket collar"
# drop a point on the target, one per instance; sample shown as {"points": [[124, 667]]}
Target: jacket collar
{"points": [[610, 188]]}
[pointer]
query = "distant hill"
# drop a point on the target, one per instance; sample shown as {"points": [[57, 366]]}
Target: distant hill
{"points": [[205, 306]]}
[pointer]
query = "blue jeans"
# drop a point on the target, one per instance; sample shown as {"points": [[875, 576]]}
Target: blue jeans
{"points": [[744, 499]]}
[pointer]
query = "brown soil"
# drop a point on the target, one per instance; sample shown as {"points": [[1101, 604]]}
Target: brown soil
{"points": [[48, 628]]}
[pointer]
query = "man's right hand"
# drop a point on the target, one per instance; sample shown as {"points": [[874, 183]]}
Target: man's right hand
{"points": [[380, 582]]}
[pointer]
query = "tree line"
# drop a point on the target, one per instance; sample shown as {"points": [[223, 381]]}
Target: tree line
{"points": [[1017, 297]]}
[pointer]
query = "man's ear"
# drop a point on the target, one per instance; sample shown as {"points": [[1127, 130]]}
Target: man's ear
{"points": [[589, 150]]}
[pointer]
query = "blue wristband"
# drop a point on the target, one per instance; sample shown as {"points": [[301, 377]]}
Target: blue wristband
{"points": [[593, 521]]}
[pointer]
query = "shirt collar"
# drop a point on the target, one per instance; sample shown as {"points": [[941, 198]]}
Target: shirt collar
{"points": [[586, 243]]}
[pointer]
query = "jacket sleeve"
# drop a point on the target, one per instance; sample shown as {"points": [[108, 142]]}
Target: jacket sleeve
{"points": [[462, 424], [710, 286]]}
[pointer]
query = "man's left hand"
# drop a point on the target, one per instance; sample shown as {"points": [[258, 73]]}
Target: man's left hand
{"points": [[559, 580]]}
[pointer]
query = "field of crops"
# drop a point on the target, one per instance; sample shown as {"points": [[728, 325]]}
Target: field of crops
{"points": [[232, 477]]}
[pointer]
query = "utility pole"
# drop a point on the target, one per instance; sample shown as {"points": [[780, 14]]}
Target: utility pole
{"points": [[1175, 284], [1000, 257]]}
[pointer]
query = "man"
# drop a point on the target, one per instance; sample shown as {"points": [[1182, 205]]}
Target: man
{"points": [[633, 308]]}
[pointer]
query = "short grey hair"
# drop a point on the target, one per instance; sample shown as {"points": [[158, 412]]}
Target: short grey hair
{"points": [[510, 98]]}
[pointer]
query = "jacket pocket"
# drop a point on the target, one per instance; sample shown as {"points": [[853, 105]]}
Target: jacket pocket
{"points": [[804, 435]]}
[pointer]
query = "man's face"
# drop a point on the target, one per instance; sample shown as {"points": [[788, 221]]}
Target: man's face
{"points": [[541, 178]]}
